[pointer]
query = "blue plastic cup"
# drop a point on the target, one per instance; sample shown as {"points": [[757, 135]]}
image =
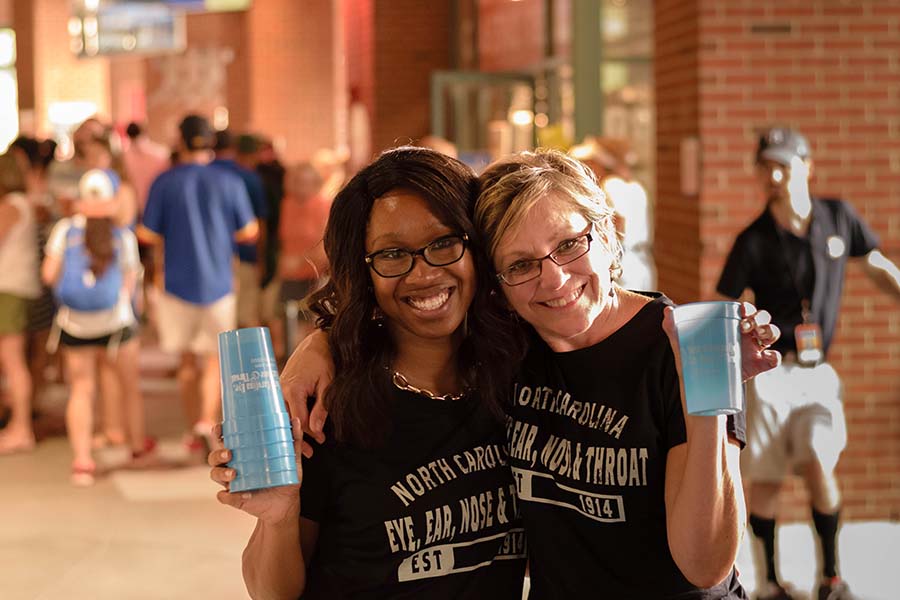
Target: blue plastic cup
{"points": [[709, 340], [257, 480], [270, 463], [274, 450], [256, 423], [249, 374], [261, 437], [256, 426]]}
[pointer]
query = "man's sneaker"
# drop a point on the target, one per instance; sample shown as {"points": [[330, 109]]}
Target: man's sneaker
{"points": [[774, 591], [835, 589]]}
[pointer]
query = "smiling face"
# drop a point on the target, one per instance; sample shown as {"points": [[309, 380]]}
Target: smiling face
{"points": [[428, 302], [564, 302]]}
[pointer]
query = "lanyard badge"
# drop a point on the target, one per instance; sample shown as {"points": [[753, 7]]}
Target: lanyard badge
{"points": [[808, 338]]}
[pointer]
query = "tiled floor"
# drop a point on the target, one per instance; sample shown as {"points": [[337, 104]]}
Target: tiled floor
{"points": [[161, 534]]}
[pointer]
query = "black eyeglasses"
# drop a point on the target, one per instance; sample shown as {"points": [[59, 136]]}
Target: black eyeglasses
{"points": [[395, 262], [523, 271]]}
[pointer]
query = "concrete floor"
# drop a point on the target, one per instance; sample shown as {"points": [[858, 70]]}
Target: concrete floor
{"points": [[160, 534], [155, 534]]}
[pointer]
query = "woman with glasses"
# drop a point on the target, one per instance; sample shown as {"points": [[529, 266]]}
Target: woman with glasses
{"points": [[411, 495], [622, 492]]}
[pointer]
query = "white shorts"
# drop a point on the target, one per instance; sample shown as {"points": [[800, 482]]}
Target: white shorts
{"points": [[187, 327], [248, 294], [794, 415]]}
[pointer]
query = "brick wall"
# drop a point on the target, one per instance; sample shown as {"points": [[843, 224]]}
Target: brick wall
{"points": [[510, 34], [128, 84], [832, 70], [278, 68], [212, 72], [358, 32], [677, 247], [411, 40], [359, 24], [297, 74]]}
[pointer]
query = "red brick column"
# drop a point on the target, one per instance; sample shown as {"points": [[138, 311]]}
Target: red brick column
{"points": [[677, 245], [411, 40]]}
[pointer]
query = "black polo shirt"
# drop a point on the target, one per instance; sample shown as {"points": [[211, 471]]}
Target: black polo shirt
{"points": [[782, 268]]}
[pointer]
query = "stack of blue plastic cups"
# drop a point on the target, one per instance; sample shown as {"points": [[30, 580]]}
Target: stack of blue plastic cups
{"points": [[255, 426]]}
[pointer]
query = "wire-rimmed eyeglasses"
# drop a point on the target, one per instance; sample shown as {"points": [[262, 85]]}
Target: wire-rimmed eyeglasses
{"points": [[523, 271]]}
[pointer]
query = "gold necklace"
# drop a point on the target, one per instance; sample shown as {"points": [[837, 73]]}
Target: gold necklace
{"points": [[402, 383]]}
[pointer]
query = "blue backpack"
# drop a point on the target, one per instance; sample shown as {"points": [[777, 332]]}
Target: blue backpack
{"points": [[78, 288]]}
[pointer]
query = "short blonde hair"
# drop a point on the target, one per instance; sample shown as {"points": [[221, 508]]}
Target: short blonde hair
{"points": [[512, 186]]}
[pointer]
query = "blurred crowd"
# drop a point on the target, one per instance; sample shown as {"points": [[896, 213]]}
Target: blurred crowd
{"points": [[87, 281]]}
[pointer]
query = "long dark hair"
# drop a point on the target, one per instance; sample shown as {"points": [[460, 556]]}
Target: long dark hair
{"points": [[359, 397], [99, 241]]}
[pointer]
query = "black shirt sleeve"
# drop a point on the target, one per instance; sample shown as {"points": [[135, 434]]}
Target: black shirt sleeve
{"points": [[862, 239], [670, 393]]}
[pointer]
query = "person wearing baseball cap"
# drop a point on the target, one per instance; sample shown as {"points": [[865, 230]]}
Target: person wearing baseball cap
{"points": [[792, 258], [196, 212], [196, 133]]}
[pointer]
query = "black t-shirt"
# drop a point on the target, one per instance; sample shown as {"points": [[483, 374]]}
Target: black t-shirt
{"points": [[431, 514], [588, 434], [782, 268]]}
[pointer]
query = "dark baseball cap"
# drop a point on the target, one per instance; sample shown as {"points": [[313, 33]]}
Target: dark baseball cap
{"points": [[781, 145], [196, 133]]}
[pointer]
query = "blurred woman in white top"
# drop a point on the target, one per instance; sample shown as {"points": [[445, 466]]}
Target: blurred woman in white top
{"points": [[610, 160], [19, 285]]}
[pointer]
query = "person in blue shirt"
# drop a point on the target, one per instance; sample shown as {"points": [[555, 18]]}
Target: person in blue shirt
{"points": [[250, 264], [197, 212]]}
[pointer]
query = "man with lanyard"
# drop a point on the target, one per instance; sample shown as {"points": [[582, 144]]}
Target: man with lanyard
{"points": [[792, 258]]}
